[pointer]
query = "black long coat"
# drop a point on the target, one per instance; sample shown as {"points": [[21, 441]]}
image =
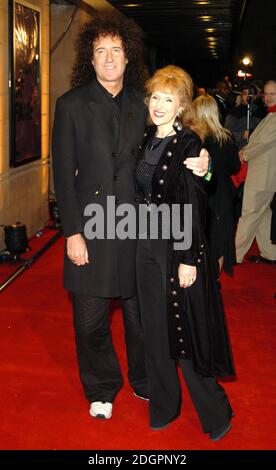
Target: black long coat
{"points": [[90, 163], [196, 322], [221, 193]]}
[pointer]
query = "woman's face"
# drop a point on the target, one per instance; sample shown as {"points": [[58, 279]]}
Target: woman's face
{"points": [[163, 108]]}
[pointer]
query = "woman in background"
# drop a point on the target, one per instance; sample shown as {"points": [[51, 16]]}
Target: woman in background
{"points": [[221, 190]]}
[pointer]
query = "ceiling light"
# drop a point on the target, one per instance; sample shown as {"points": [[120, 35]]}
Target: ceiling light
{"points": [[132, 5], [205, 18], [246, 61], [209, 30]]}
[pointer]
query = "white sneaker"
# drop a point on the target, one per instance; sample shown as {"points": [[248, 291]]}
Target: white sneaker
{"points": [[101, 409]]}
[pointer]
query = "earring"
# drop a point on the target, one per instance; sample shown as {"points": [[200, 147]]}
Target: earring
{"points": [[178, 124]]}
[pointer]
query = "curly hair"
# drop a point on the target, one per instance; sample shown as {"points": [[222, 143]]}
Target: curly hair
{"points": [[175, 80], [115, 25]]}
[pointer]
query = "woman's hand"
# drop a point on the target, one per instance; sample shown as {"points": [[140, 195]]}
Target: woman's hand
{"points": [[186, 275], [77, 250]]}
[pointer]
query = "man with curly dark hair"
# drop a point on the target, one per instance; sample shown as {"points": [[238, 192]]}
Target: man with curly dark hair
{"points": [[113, 25], [98, 127]]}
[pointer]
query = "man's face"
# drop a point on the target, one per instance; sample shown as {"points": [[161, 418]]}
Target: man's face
{"points": [[270, 94], [245, 95], [109, 60], [224, 90]]}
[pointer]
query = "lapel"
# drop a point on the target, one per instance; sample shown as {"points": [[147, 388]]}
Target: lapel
{"points": [[222, 101], [259, 129], [148, 134], [101, 111], [131, 106]]}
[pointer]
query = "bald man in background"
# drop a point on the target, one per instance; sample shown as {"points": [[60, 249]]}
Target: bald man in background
{"points": [[260, 185]]}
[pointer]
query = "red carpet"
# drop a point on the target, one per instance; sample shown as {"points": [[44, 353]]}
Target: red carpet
{"points": [[35, 244], [42, 403]]}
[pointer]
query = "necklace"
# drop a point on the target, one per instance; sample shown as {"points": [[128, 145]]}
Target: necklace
{"points": [[152, 146]]}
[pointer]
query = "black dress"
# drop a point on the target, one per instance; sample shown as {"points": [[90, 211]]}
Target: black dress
{"points": [[180, 324], [221, 192]]}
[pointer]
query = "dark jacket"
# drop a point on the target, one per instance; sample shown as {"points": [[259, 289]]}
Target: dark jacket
{"points": [[223, 107], [221, 193], [89, 163], [196, 322], [238, 120]]}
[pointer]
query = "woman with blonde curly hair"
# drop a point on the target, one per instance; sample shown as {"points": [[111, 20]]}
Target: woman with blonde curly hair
{"points": [[181, 310]]}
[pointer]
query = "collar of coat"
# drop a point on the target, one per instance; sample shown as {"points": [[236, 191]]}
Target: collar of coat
{"points": [[98, 94]]}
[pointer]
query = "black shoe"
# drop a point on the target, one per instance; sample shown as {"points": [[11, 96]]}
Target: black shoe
{"points": [[220, 433], [261, 259], [142, 396]]}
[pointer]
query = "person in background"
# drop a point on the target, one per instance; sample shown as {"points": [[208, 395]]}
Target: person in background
{"points": [[260, 185], [98, 127], [221, 96], [243, 119], [220, 189], [201, 91], [259, 100], [180, 305]]}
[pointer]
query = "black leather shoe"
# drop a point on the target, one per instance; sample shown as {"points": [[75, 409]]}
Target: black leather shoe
{"points": [[220, 433], [260, 259]]}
